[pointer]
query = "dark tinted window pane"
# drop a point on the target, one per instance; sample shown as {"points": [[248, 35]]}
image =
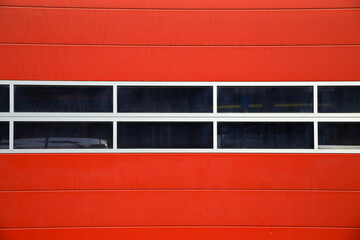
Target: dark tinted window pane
{"points": [[339, 99], [265, 135], [265, 99], [4, 98], [4, 135], [165, 135], [165, 99], [63, 135], [334, 135], [63, 99]]}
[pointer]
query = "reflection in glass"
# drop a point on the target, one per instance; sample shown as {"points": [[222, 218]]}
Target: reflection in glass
{"points": [[339, 135], [165, 99], [4, 135], [34, 135], [63, 99], [4, 98], [265, 99], [265, 135], [339, 99], [165, 135]]}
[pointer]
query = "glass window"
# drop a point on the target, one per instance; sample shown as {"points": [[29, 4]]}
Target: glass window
{"points": [[339, 99], [4, 98], [339, 135], [165, 135], [32, 135], [4, 135], [63, 99], [265, 135], [265, 99], [165, 99]]}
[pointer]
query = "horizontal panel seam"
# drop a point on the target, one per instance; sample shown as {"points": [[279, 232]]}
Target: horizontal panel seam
{"points": [[183, 190], [184, 226], [179, 45], [174, 151], [182, 9]]}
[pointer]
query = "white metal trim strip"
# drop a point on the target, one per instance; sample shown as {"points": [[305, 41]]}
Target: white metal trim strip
{"points": [[181, 83]]}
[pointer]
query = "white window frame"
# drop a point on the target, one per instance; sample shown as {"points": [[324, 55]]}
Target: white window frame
{"points": [[214, 117]]}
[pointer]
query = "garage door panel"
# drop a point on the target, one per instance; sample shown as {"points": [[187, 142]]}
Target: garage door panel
{"points": [[180, 233], [43, 62], [179, 171], [187, 4], [172, 27], [179, 208]]}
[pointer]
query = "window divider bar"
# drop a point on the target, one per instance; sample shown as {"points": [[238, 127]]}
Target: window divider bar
{"points": [[115, 111], [215, 145], [11, 122], [114, 134], [11, 135], [316, 137], [315, 106], [214, 98], [114, 98], [315, 98], [11, 98]]}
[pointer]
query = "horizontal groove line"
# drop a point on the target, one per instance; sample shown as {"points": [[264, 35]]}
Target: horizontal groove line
{"points": [[184, 9], [179, 45], [206, 118], [169, 153], [185, 190], [312, 152], [182, 226]]}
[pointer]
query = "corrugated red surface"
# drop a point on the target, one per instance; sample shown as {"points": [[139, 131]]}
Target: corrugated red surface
{"points": [[135, 63], [180, 233], [179, 171], [179, 208], [172, 27], [187, 4], [180, 196]]}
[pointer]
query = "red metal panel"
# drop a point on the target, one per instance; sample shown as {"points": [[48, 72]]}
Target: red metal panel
{"points": [[179, 208], [179, 171], [188, 4], [181, 233], [169, 27], [199, 214], [40, 62]]}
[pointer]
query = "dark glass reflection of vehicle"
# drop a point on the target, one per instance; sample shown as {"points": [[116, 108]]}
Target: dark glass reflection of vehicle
{"points": [[62, 135], [4, 135], [339, 135]]}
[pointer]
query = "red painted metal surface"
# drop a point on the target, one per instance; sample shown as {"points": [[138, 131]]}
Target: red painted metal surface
{"points": [[180, 196], [179, 208], [179, 171], [181, 233], [135, 63], [187, 4], [172, 27]]}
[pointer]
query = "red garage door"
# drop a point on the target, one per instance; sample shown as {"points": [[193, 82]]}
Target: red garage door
{"points": [[179, 119]]}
